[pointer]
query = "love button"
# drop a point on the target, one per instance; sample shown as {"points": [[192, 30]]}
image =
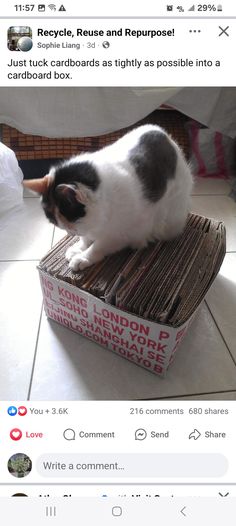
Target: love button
{"points": [[15, 434]]}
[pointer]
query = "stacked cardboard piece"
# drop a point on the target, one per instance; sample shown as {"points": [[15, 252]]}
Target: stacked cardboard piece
{"points": [[164, 282]]}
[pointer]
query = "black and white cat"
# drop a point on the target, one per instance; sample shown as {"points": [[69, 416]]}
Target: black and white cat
{"points": [[126, 194]]}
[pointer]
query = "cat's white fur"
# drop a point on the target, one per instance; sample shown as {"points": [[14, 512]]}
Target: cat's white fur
{"points": [[117, 214]]}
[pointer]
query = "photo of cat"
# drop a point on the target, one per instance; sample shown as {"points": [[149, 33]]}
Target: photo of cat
{"points": [[129, 193], [123, 170]]}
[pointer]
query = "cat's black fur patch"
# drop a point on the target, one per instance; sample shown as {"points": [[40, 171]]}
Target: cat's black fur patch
{"points": [[67, 204], [48, 211], [154, 159], [83, 173]]}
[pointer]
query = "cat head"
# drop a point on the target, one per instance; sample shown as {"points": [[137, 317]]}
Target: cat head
{"points": [[67, 192]]}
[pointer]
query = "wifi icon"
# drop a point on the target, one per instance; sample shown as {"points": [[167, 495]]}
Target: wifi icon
{"points": [[53, 7]]}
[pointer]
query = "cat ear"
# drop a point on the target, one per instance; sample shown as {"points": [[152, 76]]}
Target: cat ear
{"points": [[37, 185], [72, 193], [82, 194]]}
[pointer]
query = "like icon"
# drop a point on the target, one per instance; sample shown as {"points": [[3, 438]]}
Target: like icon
{"points": [[16, 434], [12, 410]]}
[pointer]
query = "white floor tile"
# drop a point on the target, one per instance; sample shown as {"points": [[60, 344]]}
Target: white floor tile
{"points": [[218, 207], [209, 185], [221, 299], [58, 235], [25, 233], [20, 309], [69, 367]]}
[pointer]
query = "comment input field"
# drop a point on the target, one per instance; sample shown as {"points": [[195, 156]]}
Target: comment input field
{"points": [[158, 466]]}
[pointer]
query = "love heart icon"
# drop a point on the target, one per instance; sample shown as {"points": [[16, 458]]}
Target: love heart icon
{"points": [[16, 434]]}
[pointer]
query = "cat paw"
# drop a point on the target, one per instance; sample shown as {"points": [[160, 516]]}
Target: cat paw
{"points": [[72, 251], [78, 262]]}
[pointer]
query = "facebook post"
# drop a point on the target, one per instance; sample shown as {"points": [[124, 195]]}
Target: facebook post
{"points": [[118, 243]]}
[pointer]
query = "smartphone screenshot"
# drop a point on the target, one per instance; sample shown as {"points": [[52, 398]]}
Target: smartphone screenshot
{"points": [[117, 263]]}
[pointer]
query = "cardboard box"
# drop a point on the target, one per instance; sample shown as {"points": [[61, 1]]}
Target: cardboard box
{"points": [[159, 289]]}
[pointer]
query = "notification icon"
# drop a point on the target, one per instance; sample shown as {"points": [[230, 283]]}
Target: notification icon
{"points": [[16, 434], [22, 410]]}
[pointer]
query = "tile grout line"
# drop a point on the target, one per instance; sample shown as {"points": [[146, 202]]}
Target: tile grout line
{"points": [[220, 332], [53, 235], [37, 338], [31, 197], [35, 354]]}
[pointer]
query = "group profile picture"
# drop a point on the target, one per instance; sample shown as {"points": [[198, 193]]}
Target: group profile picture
{"points": [[19, 38], [19, 465]]}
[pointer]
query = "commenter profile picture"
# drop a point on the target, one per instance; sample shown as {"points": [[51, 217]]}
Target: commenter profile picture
{"points": [[19, 38], [19, 465]]}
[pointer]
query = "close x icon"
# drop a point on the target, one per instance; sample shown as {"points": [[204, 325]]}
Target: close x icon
{"points": [[224, 31]]}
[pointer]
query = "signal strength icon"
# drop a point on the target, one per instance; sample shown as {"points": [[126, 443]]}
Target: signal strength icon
{"points": [[192, 8], [53, 7]]}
